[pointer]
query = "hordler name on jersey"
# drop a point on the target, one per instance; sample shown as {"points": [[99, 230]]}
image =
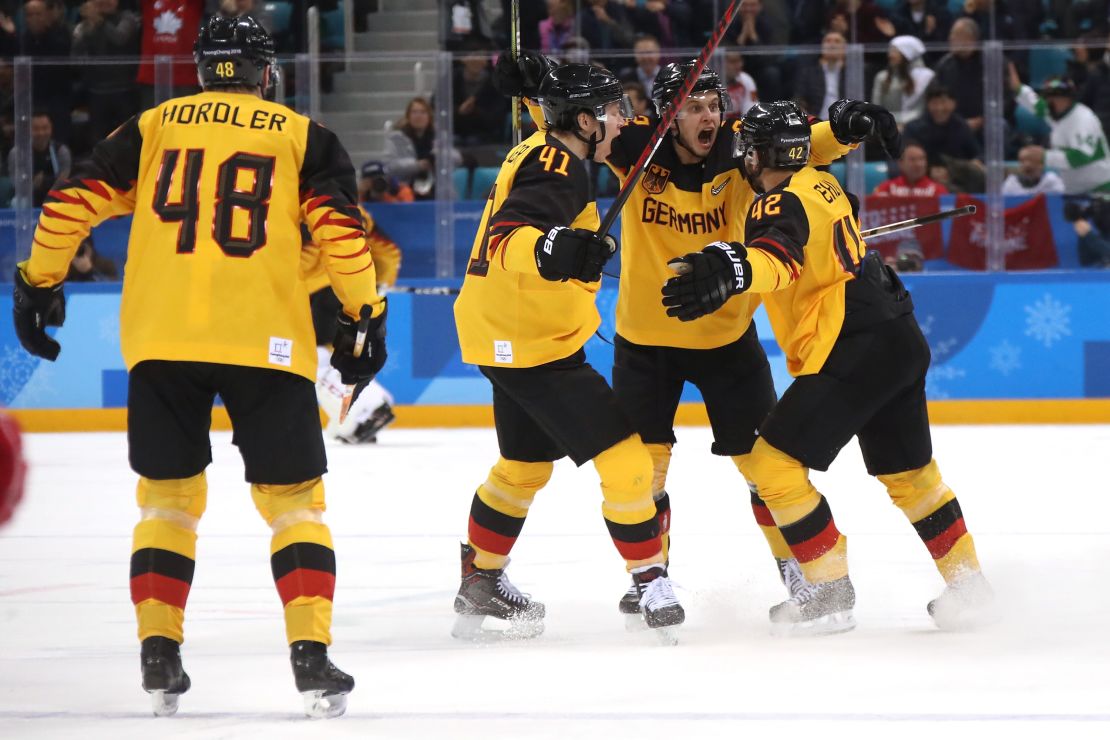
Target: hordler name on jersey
{"points": [[190, 113], [698, 222]]}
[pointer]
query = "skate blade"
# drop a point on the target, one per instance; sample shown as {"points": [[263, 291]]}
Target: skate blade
{"points": [[163, 704], [964, 619], [320, 705], [634, 622], [830, 624], [473, 628], [667, 636]]}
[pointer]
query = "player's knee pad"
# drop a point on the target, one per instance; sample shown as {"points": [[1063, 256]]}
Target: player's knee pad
{"points": [[283, 506], [660, 464], [513, 484], [626, 472], [917, 492], [780, 480], [180, 501]]}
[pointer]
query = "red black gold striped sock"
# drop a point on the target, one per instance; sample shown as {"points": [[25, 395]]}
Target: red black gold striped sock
{"points": [[821, 550], [499, 508]]}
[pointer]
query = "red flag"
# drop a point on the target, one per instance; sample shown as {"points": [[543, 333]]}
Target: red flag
{"points": [[1027, 241], [886, 209]]}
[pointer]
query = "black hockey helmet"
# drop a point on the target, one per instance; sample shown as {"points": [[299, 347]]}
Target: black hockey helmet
{"points": [[569, 89], [671, 78], [233, 52], [778, 132]]}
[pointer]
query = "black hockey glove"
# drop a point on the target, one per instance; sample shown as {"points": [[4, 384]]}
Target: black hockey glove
{"points": [[573, 254], [358, 371], [706, 280], [853, 121], [522, 77], [34, 309]]}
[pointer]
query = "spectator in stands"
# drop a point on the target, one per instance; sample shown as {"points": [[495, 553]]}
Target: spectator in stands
{"points": [[376, 185], [466, 23], [942, 131], [1079, 151], [1094, 248], [575, 50], [169, 29], [479, 109], [807, 21], [1031, 177], [1096, 91], [532, 12], [51, 85], [605, 24], [646, 51], [908, 256], [638, 96], [900, 88], [107, 31], [410, 150], [928, 20], [912, 180], [742, 89], [872, 24], [1014, 19], [1074, 18], [89, 267], [821, 83], [756, 30], [653, 18], [558, 26], [50, 160], [961, 71], [9, 40]]}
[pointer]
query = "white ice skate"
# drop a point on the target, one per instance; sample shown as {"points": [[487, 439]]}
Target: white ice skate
{"points": [[965, 605]]}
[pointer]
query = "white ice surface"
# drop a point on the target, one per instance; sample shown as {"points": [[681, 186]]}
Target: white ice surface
{"points": [[1036, 499]]}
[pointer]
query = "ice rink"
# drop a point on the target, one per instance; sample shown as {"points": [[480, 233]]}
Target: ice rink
{"points": [[1034, 497]]}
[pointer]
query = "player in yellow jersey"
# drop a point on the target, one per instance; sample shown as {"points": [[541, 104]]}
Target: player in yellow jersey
{"points": [[526, 308], [693, 192], [214, 303], [372, 411], [846, 326]]}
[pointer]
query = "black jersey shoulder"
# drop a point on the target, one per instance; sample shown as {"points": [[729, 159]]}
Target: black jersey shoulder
{"points": [[777, 223]]}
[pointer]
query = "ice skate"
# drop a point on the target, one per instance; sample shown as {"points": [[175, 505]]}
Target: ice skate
{"points": [[658, 604], [817, 609], [163, 677], [489, 593], [791, 575], [964, 605], [323, 686], [629, 606], [367, 431]]}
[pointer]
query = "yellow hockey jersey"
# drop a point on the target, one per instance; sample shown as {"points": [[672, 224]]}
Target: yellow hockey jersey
{"points": [[678, 208], [506, 314], [804, 246], [383, 250], [219, 184]]}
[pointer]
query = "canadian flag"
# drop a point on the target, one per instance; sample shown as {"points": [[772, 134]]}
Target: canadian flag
{"points": [[887, 209], [1027, 239]]}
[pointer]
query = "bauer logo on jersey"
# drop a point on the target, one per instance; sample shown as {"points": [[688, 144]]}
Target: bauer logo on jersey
{"points": [[281, 351], [502, 351], [655, 179]]}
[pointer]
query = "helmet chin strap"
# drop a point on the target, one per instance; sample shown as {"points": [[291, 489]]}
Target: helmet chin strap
{"points": [[752, 177], [592, 142]]}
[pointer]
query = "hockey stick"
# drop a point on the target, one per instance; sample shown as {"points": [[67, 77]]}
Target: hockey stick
{"points": [[913, 223], [360, 344], [514, 49], [425, 290], [668, 117]]}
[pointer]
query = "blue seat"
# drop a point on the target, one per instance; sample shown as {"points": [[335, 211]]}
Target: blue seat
{"points": [[281, 15], [873, 174], [484, 178], [6, 192], [331, 28], [462, 180], [1045, 62]]}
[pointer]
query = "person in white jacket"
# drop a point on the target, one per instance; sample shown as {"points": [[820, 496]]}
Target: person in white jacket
{"points": [[900, 88], [1078, 149]]}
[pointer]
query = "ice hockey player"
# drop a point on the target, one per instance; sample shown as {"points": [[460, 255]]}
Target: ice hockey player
{"points": [[372, 411], [214, 303], [846, 325], [526, 309]]}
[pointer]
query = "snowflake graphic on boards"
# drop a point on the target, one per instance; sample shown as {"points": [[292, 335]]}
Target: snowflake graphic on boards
{"points": [[15, 370], [167, 24], [1005, 357], [936, 377], [108, 328], [1047, 320]]}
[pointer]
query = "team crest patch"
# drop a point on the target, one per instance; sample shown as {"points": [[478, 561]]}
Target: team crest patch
{"points": [[655, 179]]}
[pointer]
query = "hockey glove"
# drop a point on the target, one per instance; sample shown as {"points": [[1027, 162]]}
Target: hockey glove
{"points": [[358, 371], [520, 77], [706, 280], [573, 254], [853, 121], [34, 309]]}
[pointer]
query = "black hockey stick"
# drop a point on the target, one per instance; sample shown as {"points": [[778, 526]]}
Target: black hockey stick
{"points": [[665, 121], [913, 223]]}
